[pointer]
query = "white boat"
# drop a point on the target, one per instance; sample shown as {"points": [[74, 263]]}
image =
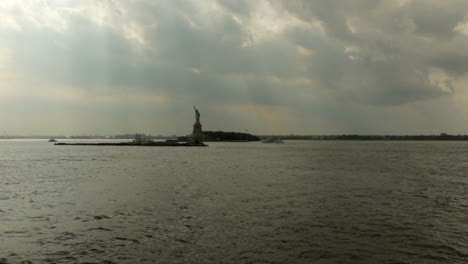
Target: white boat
{"points": [[273, 140]]}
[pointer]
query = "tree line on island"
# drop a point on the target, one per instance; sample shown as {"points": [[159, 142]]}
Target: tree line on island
{"points": [[442, 136], [229, 136]]}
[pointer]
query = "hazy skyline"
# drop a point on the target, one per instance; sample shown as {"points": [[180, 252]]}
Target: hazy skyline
{"points": [[269, 67]]}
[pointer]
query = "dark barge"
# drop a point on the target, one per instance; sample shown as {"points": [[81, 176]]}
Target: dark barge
{"points": [[145, 144]]}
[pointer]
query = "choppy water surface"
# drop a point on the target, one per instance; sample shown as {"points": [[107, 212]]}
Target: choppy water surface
{"points": [[299, 202]]}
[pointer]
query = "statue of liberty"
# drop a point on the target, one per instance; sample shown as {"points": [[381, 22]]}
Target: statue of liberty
{"points": [[197, 115]]}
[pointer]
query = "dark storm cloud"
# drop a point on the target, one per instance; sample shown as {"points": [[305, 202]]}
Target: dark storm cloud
{"points": [[392, 49], [455, 62], [437, 18]]}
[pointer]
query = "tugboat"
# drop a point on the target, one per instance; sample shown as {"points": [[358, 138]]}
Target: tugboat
{"points": [[273, 140]]}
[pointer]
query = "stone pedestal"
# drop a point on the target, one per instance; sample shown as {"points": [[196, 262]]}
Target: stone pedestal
{"points": [[197, 134]]}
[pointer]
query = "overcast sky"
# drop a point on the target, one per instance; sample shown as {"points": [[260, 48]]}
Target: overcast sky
{"points": [[269, 67]]}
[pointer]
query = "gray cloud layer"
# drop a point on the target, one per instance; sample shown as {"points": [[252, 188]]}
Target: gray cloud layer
{"points": [[271, 66]]}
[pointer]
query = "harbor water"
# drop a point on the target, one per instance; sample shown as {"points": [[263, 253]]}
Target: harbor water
{"points": [[298, 202]]}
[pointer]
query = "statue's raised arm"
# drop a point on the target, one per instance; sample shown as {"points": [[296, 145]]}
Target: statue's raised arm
{"points": [[197, 115]]}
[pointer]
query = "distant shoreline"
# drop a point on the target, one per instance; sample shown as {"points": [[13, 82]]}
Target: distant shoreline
{"points": [[441, 137]]}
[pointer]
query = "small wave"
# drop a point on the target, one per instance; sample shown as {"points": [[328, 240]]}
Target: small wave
{"points": [[183, 241], [66, 236], [102, 262], [16, 232], [101, 217], [100, 229], [58, 253], [127, 239], [435, 257]]}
